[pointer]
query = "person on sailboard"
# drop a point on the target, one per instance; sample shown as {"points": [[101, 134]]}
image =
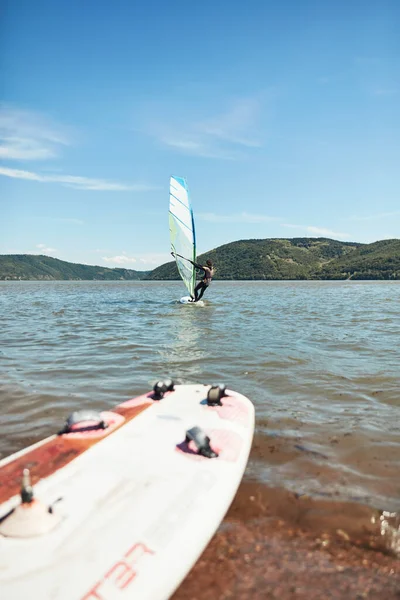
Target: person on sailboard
{"points": [[209, 271], [201, 287]]}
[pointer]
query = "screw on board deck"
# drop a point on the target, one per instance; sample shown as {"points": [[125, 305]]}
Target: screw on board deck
{"points": [[26, 488], [31, 518]]}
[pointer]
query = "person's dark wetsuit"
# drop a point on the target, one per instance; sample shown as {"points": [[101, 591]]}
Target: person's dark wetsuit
{"points": [[205, 282]]}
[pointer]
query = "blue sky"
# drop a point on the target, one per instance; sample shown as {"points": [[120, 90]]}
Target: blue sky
{"points": [[283, 116]]}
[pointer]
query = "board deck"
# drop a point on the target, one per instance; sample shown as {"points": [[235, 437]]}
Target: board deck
{"points": [[187, 300], [134, 504]]}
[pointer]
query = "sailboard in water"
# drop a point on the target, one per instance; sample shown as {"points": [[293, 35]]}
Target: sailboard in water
{"points": [[182, 234]]}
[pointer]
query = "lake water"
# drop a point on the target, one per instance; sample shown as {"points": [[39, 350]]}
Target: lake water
{"points": [[320, 361]]}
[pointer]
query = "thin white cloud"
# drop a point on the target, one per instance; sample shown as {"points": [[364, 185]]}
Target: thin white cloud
{"points": [[235, 218], [384, 215], [46, 249], [224, 136], [154, 259], [183, 144], [28, 135], [80, 183], [39, 249], [13, 148], [322, 231], [318, 231], [141, 261], [195, 148], [121, 260], [236, 125], [385, 92]]}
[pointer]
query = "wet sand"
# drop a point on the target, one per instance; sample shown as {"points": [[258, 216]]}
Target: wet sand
{"points": [[274, 544]]}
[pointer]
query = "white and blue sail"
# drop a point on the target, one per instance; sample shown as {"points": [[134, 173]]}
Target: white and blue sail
{"points": [[182, 231]]}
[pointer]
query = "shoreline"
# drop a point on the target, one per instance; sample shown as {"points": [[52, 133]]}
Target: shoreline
{"points": [[274, 544]]}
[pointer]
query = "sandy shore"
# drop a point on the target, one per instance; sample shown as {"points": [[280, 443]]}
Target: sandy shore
{"points": [[276, 545]]}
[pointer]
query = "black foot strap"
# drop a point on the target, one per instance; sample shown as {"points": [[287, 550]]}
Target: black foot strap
{"points": [[86, 419], [215, 393], [202, 442], [161, 387]]}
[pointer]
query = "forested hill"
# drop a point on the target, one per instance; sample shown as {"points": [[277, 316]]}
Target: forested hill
{"points": [[299, 258], [380, 260], [34, 267], [272, 259]]}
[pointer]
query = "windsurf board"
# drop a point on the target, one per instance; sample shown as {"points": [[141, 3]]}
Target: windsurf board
{"points": [[122, 503]]}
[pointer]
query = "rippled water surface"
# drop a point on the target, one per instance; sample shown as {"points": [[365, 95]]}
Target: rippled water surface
{"points": [[320, 361]]}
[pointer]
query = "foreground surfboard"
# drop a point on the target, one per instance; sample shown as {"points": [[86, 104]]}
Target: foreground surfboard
{"points": [[121, 504]]}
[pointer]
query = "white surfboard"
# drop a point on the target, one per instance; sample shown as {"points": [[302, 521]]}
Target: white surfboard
{"points": [[135, 494], [188, 300]]}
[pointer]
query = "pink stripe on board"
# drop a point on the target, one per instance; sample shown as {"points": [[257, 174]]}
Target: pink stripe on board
{"points": [[144, 399], [233, 409]]}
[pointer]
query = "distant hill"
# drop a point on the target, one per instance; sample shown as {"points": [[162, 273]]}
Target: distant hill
{"points": [[297, 258], [37, 267], [270, 259], [380, 260]]}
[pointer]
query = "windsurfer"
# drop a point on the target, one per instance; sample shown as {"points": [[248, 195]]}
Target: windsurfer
{"points": [[201, 287]]}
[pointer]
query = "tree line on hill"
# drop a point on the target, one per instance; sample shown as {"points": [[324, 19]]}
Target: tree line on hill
{"points": [[268, 259]]}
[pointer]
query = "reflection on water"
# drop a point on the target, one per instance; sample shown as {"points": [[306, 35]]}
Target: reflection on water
{"points": [[318, 359], [184, 355]]}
